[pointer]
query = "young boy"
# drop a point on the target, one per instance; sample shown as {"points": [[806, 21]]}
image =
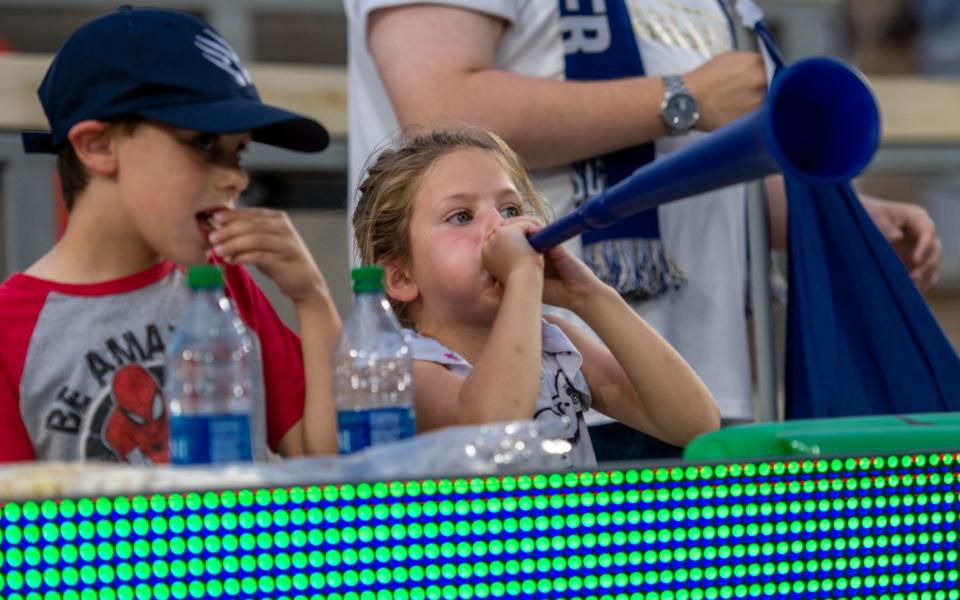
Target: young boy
{"points": [[149, 112]]}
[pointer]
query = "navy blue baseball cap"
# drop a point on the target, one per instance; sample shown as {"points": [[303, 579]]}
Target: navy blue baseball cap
{"points": [[165, 66]]}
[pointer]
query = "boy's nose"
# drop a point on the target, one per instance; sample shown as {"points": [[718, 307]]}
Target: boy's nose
{"points": [[234, 179]]}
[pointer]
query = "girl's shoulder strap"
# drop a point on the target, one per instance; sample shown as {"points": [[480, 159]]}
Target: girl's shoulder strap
{"points": [[429, 349]]}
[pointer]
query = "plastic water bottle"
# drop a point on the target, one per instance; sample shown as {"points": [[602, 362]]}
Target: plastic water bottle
{"points": [[208, 383], [372, 370]]}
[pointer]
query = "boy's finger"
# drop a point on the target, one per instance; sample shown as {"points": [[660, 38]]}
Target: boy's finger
{"points": [[238, 227], [236, 245], [253, 257], [253, 215]]}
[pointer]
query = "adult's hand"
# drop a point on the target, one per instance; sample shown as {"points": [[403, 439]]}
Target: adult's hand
{"points": [[727, 87], [913, 234]]}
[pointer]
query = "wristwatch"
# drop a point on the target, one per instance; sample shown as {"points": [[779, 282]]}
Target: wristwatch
{"points": [[679, 109]]}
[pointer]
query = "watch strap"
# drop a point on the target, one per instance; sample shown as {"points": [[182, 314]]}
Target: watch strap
{"points": [[673, 85]]}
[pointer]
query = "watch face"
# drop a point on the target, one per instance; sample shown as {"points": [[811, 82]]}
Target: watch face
{"points": [[681, 111]]}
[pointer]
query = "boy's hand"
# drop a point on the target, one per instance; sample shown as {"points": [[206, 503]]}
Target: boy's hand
{"points": [[568, 282], [267, 239], [506, 249]]}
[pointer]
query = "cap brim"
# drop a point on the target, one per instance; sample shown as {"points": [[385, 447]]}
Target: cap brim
{"points": [[268, 124], [37, 142]]}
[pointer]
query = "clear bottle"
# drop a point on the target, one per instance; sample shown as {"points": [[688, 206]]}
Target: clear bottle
{"points": [[372, 370], [208, 376]]}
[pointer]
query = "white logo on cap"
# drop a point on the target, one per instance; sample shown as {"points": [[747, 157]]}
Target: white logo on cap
{"points": [[216, 49]]}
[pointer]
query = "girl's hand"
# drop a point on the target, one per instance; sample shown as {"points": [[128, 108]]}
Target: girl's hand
{"points": [[267, 239], [506, 249], [568, 282]]}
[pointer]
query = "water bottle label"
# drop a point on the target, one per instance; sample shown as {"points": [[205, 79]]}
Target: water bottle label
{"points": [[210, 439], [357, 429]]}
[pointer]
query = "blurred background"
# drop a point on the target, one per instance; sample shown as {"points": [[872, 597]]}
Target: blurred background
{"points": [[296, 50]]}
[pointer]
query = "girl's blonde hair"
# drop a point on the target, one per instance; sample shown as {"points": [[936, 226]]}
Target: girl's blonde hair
{"points": [[381, 220]]}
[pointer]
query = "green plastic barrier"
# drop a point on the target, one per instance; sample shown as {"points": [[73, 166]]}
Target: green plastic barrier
{"points": [[842, 435]]}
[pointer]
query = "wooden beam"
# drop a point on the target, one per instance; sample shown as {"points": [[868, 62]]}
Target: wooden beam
{"points": [[916, 109], [913, 109]]}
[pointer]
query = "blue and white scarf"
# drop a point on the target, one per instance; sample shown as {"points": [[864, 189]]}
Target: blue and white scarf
{"points": [[599, 43]]}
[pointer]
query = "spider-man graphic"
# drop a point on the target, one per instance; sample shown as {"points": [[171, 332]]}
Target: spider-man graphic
{"points": [[138, 427]]}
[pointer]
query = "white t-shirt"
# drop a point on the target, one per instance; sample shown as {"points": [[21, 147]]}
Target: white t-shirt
{"points": [[706, 234], [563, 398]]}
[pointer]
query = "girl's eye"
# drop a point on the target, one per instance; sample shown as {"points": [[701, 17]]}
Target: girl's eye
{"points": [[460, 218], [510, 211]]}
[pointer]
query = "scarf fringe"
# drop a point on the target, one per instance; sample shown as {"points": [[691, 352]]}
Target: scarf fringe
{"points": [[638, 268]]}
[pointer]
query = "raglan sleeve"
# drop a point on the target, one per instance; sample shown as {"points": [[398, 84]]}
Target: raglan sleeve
{"points": [[280, 348], [14, 441], [18, 317]]}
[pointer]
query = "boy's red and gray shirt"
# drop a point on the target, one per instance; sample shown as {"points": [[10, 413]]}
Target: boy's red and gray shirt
{"points": [[81, 366]]}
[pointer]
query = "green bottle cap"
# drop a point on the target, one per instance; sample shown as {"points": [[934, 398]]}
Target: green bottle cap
{"points": [[204, 277], [368, 278]]}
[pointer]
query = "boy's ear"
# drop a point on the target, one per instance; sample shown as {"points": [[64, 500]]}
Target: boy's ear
{"points": [[399, 285], [93, 143]]}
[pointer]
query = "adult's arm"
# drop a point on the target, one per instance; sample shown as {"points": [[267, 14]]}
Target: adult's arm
{"points": [[438, 66]]}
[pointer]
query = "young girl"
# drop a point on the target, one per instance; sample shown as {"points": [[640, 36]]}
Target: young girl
{"points": [[447, 215]]}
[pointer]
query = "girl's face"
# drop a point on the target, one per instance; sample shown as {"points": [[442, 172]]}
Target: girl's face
{"points": [[172, 180], [463, 195]]}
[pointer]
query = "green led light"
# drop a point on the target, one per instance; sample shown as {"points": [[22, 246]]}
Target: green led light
{"points": [[263, 499], [12, 534], [382, 554], [105, 552], [124, 572], [197, 566], [160, 591], [104, 528], [178, 568], [88, 575], [379, 489], [245, 499], [107, 594], [85, 507], [281, 540], [212, 566], [314, 494], [281, 496], [70, 576], [102, 506], [106, 574], [141, 526], [50, 577], [176, 525], [174, 503], [249, 586]]}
